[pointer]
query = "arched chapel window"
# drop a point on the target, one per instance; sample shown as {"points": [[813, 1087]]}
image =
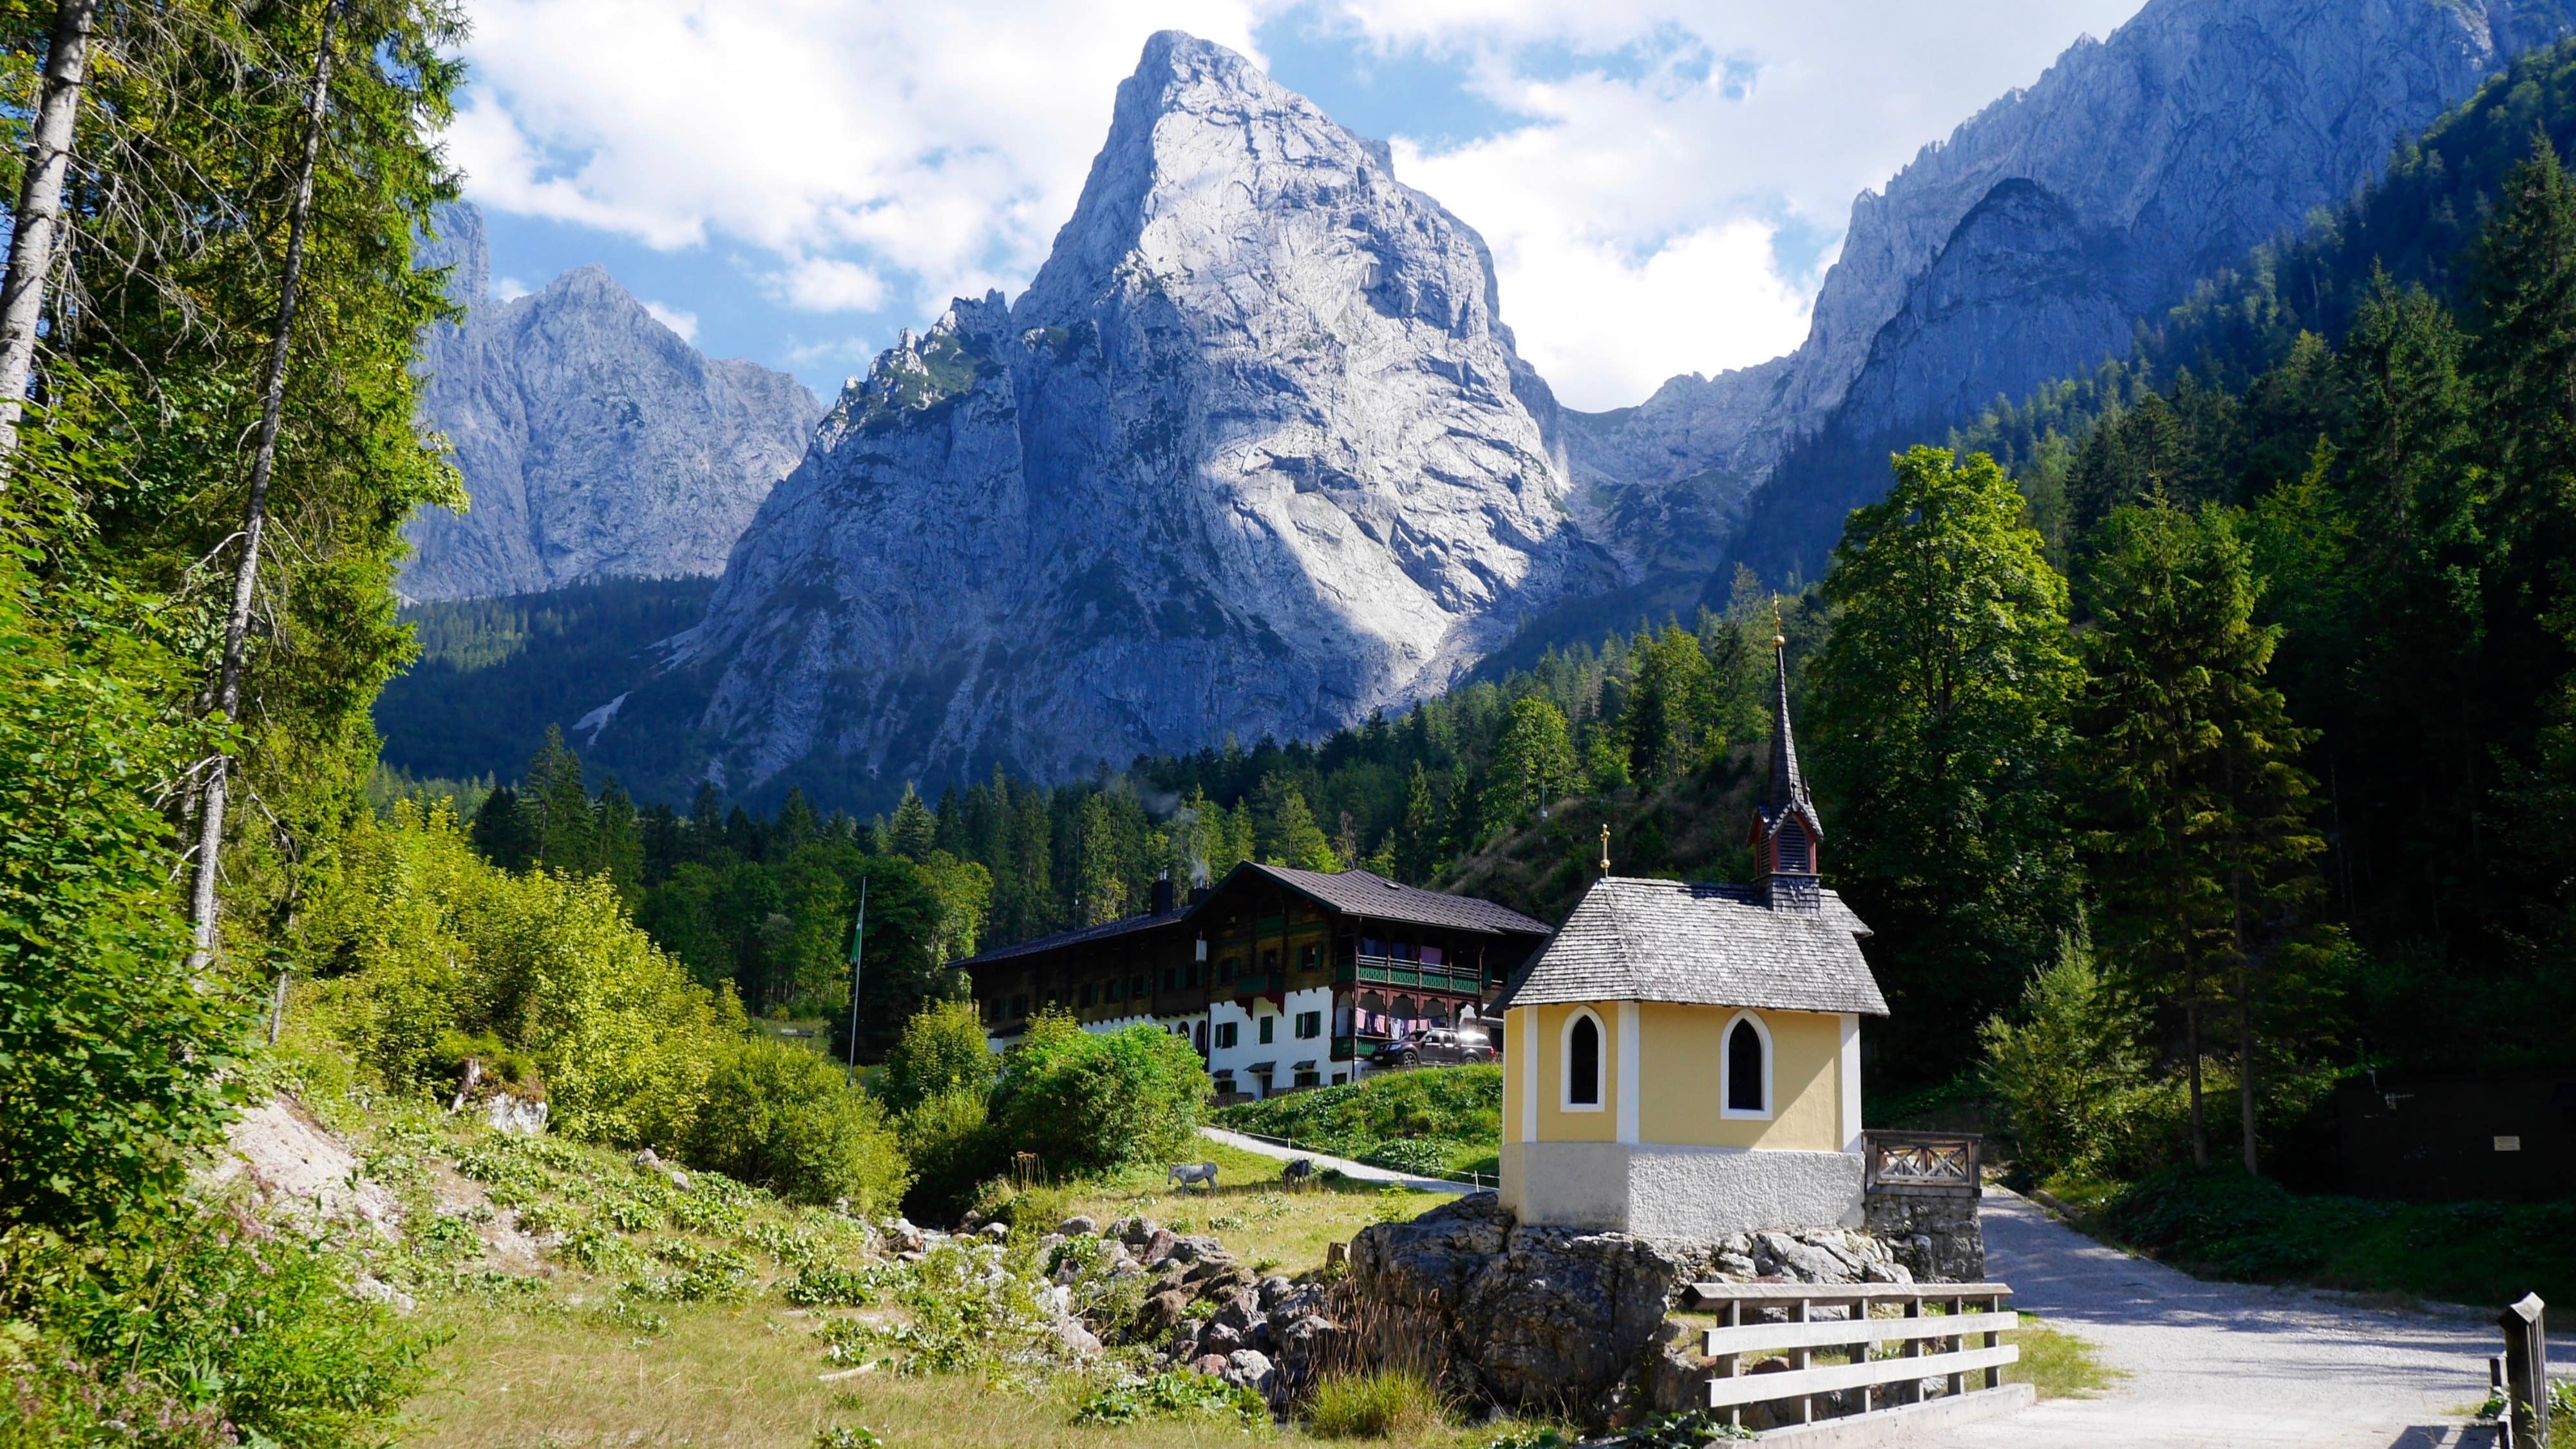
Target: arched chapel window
{"points": [[1583, 1062], [1745, 1076]]}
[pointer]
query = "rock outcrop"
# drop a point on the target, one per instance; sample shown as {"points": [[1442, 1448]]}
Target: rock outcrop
{"points": [[1556, 1318], [1248, 456], [594, 441], [2028, 245]]}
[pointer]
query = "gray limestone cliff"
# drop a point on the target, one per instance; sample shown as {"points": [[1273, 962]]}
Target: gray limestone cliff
{"points": [[594, 441], [2028, 245], [1249, 456]]}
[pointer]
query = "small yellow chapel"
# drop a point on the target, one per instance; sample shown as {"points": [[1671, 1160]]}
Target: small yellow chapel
{"points": [[1683, 1060]]}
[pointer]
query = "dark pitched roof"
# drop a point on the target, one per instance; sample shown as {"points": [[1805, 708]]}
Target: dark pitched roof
{"points": [[1702, 945], [1361, 893], [1786, 788], [1355, 892], [1101, 932]]}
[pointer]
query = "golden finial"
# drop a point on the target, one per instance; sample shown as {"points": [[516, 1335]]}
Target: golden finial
{"points": [[1605, 849], [1779, 625]]}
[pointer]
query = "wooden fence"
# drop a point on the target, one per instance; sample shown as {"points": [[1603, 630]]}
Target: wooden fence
{"points": [[1886, 1358]]}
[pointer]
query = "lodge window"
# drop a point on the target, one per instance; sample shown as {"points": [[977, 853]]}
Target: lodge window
{"points": [[1140, 985], [1745, 1090], [1268, 1024], [1224, 1034], [1582, 1062], [1309, 957], [1310, 1023], [1270, 962], [1109, 989], [1019, 1006]]}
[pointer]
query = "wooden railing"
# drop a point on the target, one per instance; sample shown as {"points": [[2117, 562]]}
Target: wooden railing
{"points": [[1938, 1162], [1887, 1357]]}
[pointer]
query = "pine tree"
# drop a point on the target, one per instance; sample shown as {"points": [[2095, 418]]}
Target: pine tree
{"points": [[1099, 887], [795, 826], [565, 835], [501, 832], [1288, 834], [2201, 810], [620, 836], [706, 825], [1535, 765], [914, 831], [1417, 842]]}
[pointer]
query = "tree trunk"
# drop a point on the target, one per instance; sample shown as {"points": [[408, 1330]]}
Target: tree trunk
{"points": [[2245, 1072], [2191, 1039], [263, 464], [40, 207]]}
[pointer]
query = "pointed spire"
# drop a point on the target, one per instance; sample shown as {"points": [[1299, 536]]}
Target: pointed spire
{"points": [[1786, 787], [1786, 831]]}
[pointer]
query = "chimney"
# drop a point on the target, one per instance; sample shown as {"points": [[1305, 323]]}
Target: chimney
{"points": [[1163, 894]]}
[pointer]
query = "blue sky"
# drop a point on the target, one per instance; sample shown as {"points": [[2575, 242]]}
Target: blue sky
{"points": [[1662, 184]]}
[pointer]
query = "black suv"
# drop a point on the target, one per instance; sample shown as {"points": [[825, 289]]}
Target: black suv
{"points": [[1436, 1046]]}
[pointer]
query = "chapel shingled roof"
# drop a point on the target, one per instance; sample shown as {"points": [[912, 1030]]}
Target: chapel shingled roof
{"points": [[1700, 944]]}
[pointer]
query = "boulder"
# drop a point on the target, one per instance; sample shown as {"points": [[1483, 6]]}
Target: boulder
{"points": [[1247, 1368], [1213, 1363], [1157, 1247], [1220, 1338], [1273, 1289], [1160, 1312], [1238, 1313], [1078, 1227], [998, 1232]]}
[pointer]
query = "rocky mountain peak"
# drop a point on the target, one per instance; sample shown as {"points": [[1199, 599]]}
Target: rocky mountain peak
{"points": [[594, 441]]}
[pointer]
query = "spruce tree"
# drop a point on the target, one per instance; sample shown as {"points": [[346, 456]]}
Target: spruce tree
{"points": [[914, 831], [564, 833]]}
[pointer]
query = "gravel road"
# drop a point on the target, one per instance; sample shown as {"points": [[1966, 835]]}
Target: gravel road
{"points": [[2231, 1364], [1359, 1170]]}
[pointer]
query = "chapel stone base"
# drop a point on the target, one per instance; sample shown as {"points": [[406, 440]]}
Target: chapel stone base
{"points": [[1700, 1194]]}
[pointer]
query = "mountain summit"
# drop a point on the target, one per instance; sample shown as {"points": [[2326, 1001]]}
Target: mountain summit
{"points": [[594, 440], [1247, 457]]}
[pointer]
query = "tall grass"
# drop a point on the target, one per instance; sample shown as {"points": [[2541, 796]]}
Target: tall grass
{"points": [[1379, 1404]]}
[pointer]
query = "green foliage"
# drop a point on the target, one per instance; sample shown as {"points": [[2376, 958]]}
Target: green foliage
{"points": [[1094, 1101], [2061, 1071], [1938, 721], [942, 1050], [2223, 1223], [415, 937], [952, 1147], [110, 1054], [1535, 765], [1384, 1403], [200, 1324], [1173, 1394], [780, 1117]]}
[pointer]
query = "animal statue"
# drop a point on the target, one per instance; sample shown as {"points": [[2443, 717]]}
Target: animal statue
{"points": [[1185, 1173], [1299, 1172]]}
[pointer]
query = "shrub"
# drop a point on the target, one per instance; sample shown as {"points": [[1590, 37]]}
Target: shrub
{"points": [[420, 941], [1403, 1155], [111, 1051], [1379, 1404], [942, 1050], [953, 1149], [780, 1117], [237, 1329], [2062, 1070], [1092, 1102], [1181, 1393]]}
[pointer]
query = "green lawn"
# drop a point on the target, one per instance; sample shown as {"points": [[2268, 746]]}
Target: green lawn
{"points": [[1430, 1119]]}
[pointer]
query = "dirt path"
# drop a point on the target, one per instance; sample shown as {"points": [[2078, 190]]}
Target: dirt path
{"points": [[2228, 1363], [1360, 1170]]}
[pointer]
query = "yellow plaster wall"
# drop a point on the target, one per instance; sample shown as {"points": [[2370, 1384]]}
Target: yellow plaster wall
{"points": [[1678, 1101], [1555, 1125]]}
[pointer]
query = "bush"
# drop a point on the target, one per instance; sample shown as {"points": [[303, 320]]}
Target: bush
{"points": [[780, 1117], [1180, 1393], [2062, 1071], [1380, 1404], [418, 940], [237, 1329], [1091, 1102], [1457, 1111], [942, 1050], [111, 1051], [952, 1148]]}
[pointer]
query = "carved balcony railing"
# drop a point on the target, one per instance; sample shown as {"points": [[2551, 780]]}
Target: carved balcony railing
{"points": [[1939, 1163]]}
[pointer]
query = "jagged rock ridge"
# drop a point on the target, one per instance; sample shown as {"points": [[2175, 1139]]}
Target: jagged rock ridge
{"points": [[2027, 246], [1247, 457], [594, 441]]}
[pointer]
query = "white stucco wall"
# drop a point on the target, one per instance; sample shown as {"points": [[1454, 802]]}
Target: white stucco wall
{"points": [[1286, 1048]]}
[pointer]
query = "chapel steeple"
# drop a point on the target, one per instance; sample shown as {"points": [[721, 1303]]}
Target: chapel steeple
{"points": [[1786, 832]]}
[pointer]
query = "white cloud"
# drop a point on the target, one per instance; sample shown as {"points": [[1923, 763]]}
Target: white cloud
{"points": [[882, 155], [684, 323], [509, 289], [822, 284]]}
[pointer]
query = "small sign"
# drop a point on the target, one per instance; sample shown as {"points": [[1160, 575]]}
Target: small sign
{"points": [[2508, 1144]]}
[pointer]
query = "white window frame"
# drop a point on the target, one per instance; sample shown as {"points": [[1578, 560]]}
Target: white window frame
{"points": [[1565, 1063], [1726, 1107]]}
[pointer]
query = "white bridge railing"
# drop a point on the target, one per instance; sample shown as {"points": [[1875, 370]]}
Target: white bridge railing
{"points": [[1921, 1332]]}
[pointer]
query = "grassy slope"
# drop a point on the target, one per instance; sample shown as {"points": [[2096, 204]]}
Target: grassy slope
{"points": [[1455, 1113]]}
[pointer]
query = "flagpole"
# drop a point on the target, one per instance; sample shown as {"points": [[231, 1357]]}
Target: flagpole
{"points": [[858, 940]]}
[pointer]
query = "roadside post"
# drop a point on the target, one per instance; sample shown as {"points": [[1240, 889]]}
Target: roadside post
{"points": [[2526, 1373]]}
